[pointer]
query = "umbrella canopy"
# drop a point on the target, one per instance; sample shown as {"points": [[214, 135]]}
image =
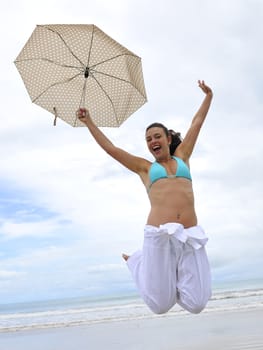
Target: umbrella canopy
{"points": [[65, 67]]}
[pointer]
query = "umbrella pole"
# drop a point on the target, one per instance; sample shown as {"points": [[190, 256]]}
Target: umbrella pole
{"points": [[82, 99]]}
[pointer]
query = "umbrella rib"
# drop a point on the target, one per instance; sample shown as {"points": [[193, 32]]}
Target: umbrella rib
{"points": [[91, 42], [117, 78], [60, 36], [50, 61], [105, 92], [112, 58], [57, 83], [112, 76]]}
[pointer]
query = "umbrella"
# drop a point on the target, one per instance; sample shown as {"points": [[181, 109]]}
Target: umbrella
{"points": [[66, 67]]}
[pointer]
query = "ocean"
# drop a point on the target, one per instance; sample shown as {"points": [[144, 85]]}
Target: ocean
{"points": [[86, 310]]}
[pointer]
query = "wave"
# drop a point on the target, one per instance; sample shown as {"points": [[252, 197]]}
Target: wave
{"points": [[232, 294], [118, 310]]}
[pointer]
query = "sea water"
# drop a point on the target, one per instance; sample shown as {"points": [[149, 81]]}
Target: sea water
{"points": [[121, 307]]}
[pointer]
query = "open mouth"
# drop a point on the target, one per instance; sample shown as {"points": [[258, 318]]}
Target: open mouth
{"points": [[156, 148]]}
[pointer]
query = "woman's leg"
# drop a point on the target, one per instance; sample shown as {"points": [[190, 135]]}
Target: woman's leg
{"points": [[154, 270], [194, 278]]}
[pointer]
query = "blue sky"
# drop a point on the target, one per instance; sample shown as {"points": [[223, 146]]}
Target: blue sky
{"points": [[68, 211]]}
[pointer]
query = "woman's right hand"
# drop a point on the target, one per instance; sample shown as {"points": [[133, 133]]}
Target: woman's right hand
{"points": [[83, 115]]}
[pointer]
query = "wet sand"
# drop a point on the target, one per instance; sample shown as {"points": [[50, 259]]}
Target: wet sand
{"points": [[239, 329]]}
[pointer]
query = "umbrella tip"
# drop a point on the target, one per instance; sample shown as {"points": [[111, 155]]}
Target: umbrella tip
{"points": [[86, 74], [56, 115]]}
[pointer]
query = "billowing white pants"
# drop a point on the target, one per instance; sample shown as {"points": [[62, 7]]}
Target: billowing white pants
{"points": [[172, 268]]}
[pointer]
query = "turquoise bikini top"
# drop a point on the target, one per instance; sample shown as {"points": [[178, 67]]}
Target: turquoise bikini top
{"points": [[157, 171]]}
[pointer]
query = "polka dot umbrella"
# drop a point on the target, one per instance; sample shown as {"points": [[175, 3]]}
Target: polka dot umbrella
{"points": [[65, 67]]}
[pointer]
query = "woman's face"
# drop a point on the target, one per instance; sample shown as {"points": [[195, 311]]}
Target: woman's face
{"points": [[157, 142]]}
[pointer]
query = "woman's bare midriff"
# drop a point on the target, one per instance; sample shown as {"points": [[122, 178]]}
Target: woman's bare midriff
{"points": [[172, 200]]}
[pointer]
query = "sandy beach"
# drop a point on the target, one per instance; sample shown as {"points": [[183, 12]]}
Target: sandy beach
{"points": [[239, 329]]}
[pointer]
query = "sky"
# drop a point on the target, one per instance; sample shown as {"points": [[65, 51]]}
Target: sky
{"points": [[68, 211]]}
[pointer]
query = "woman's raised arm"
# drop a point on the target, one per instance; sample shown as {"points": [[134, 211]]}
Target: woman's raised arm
{"points": [[185, 149], [133, 163]]}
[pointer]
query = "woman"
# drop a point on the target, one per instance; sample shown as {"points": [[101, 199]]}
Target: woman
{"points": [[172, 266]]}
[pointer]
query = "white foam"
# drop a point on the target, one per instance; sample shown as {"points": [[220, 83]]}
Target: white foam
{"points": [[120, 310]]}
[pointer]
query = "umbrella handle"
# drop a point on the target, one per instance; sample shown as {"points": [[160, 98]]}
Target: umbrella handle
{"points": [[83, 112]]}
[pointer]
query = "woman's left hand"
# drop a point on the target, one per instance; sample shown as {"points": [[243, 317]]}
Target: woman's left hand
{"points": [[206, 89]]}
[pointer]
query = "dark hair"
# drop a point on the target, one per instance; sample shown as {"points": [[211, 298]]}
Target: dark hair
{"points": [[176, 138]]}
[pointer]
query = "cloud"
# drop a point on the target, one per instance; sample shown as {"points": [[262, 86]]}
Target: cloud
{"points": [[6, 274], [13, 230]]}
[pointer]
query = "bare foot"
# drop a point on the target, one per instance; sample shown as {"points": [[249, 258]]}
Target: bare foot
{"points": [[125, 257]]}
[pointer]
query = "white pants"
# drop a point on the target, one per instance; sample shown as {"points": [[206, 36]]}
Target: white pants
{"points": [[172, 268]]}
